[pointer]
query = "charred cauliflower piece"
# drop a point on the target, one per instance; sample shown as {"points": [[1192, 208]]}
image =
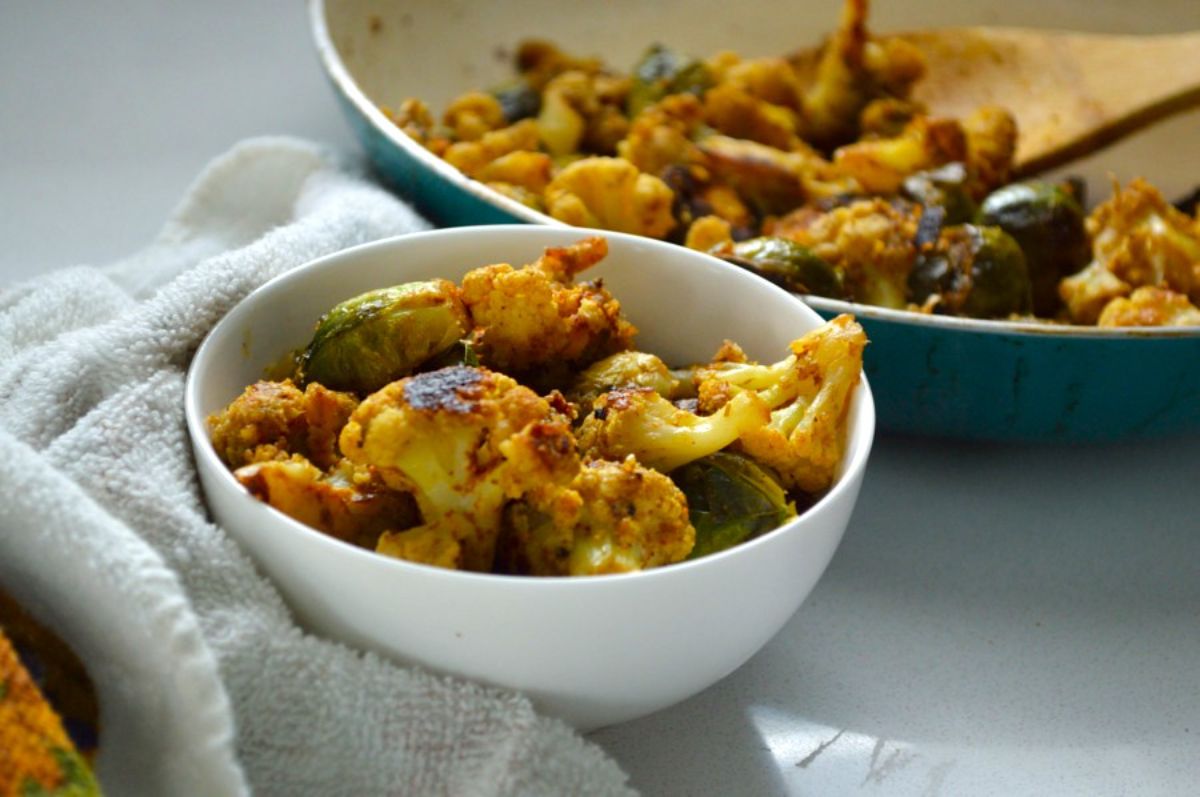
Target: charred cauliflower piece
{"points": [[537, 316], [662, 436], [808, 396], [348, 503], [614, 517], [272, 420], [611, 193], [1138, 239], [462, 441]]}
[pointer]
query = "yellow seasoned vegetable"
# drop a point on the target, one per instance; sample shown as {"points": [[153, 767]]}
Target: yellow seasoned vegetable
{"points": [[460, 465]]}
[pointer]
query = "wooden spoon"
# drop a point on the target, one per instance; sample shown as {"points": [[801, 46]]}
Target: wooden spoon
{"points": [[1071, 93]]}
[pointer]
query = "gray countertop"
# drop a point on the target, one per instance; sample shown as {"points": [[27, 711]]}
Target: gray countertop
{"points": [[998, 620]]}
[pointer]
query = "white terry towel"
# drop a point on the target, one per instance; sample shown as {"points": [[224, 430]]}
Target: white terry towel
{"points": [[206, 685]]}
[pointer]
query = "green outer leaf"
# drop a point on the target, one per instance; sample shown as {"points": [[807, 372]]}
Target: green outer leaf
{"points": [[731, 499]]}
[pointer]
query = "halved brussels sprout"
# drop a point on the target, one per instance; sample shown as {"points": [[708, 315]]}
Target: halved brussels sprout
{"points": [[944, 187], [976, 271], [1047, 223], [788, 264], [662, 72], [731, 499], [382, 335], [620, 370]]}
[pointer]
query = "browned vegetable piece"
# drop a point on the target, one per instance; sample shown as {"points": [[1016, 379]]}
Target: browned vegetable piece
{"points": [[273, 420]]}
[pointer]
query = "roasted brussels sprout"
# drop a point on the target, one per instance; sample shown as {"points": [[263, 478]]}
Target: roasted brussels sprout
{"points": [[788, 264], [973, 271], [1047, 223], [944, 187], [730, 499], [623, 369], [661, 72], [518, 100], [380, 336]]}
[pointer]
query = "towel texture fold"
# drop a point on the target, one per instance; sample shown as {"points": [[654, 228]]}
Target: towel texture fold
{"points": [[206, 685]]}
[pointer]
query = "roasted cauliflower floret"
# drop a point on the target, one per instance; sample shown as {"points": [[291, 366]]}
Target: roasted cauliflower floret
{"points": [[770, 79], [614, 517], [416, 120], [611, 193], [736, 112], [462, 441], [808, 395], [880, 165], [273, 420], [537, 317], [1150, 306], [1138, 239], [473, 114], [662, 436], [869, 241], [471, 157], [707, 233], [530, 171], [349, 503], [854, 70], [662, 135], [991, 133]]}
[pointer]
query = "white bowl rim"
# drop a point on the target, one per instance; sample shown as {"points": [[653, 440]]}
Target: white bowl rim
{"points": [[340, 75], [852, 467]]}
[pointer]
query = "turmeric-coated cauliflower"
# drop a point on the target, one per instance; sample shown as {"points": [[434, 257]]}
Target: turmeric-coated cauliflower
{"points": [[853, 70], [1138, 239], [639, 421], [463, 441], [538, 317], [614, 517], [349, 502], [662, 135], [736, 112], [471, 157], [611, 193], [808, 395], [473, 114], [273, 420], [880, 165], [1150, 306]]}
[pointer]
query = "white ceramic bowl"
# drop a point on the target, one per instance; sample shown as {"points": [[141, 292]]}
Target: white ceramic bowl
{"points": [[594, 651]]}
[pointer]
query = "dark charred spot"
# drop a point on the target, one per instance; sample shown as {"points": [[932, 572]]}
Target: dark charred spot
{"points": [[452, 389], [600, 413]]}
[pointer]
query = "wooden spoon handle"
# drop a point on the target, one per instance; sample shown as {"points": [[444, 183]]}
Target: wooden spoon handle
{"points": [[1072, 93]]}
